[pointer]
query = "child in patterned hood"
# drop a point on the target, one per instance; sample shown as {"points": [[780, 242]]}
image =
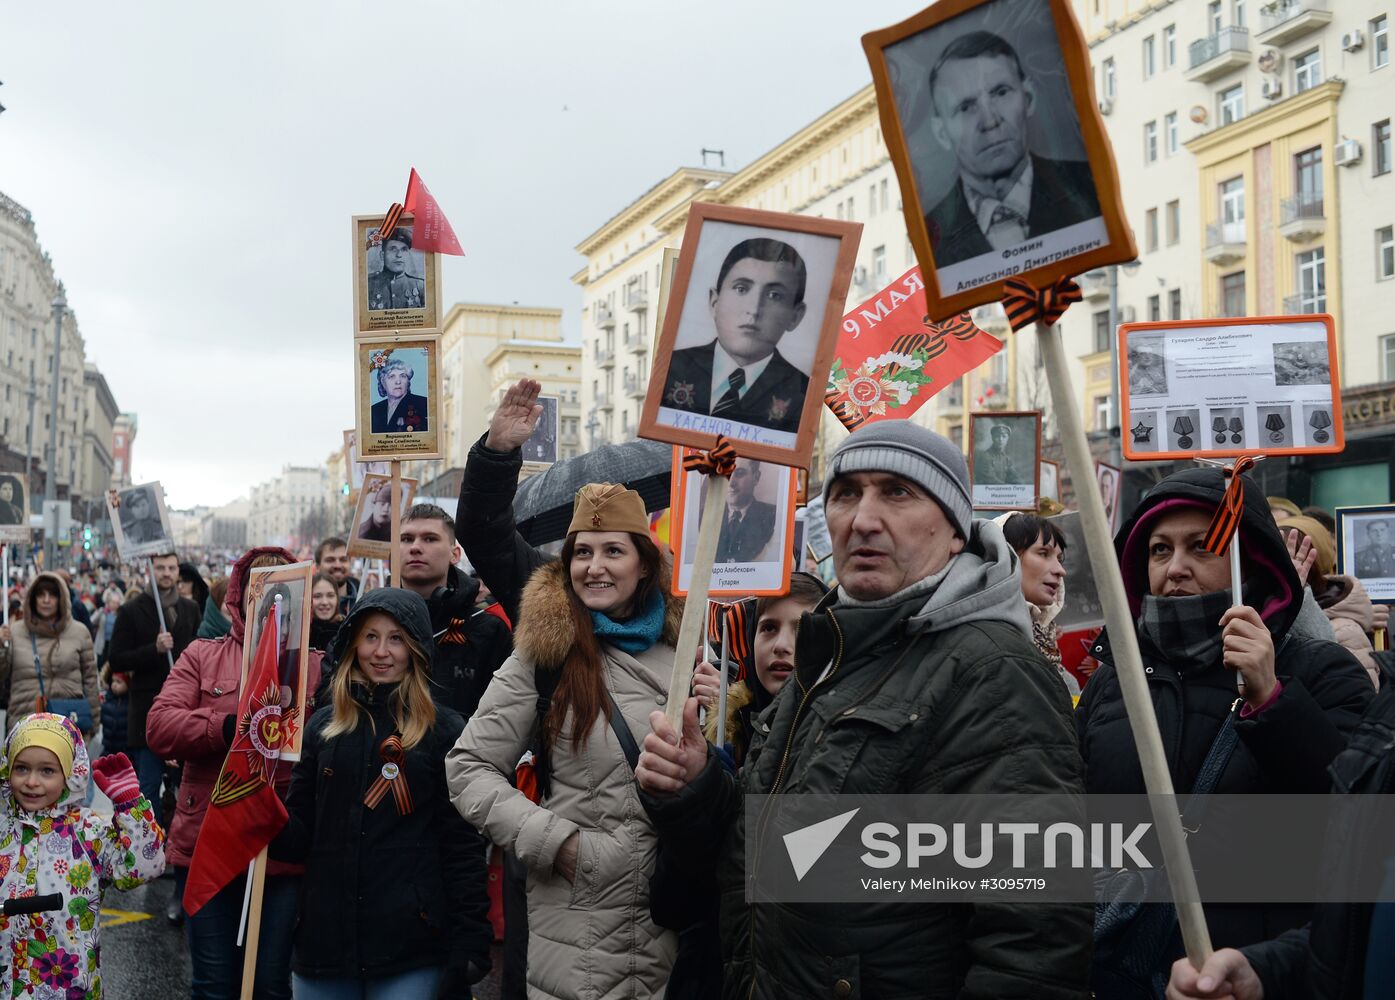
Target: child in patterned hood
{"points": [[51, 843]]}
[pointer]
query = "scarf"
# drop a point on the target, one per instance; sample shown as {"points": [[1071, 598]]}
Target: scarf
{"points": [[169, 600], [1184, 631], [634, 635]]}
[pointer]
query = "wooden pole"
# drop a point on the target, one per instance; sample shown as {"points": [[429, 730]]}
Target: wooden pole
{"points": [[1128, 663], [694, 609], [722, 687], [395, 557], [254, 926], [159, 609]]}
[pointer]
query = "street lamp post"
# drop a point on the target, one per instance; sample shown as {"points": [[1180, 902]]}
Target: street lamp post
{"points": [[1116, 434], [51, 452]]}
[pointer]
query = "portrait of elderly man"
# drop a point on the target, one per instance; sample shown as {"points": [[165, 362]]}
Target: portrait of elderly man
{"points": [[400, 410], [393, 287], [1004, 194], [10, 511], [140, 518]]}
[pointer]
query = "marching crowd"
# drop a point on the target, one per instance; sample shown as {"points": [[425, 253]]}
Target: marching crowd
{"points": [[523, 706]]}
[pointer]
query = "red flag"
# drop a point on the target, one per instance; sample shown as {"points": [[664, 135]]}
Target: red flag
{"points": [[432, 231], [244, 813], [891, 358]]}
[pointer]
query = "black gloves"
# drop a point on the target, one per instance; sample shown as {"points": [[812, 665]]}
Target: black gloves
{"points": [[229, 728]]}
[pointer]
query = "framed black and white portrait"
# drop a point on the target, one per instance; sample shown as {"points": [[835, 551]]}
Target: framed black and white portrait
{"points": [[1005, 459], [140, 523], [396, 287], [541, 446], [990, 118], [14, 509], [749, 332], [370, 535], [399, 393], [1366, 548]]}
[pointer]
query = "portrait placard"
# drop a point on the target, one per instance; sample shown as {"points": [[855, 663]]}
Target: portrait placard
{"points": [[1083, 608], [754, 550], [1005, 459], [1111, 483], [990, 118], [356, 468], [541, 446], [396, 288], [749, 334], [399, 397], [14, 509], [1366, 548], [1050, 479], [140, 524], [1216, 388], [667, 269], [292, 584], [370, 534]]}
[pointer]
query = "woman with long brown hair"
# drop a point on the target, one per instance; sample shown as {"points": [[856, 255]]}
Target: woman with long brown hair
{"points": [[593, 655]]}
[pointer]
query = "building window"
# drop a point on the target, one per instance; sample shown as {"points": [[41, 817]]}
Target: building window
{"points": [[1307, 70], [1380, 148], [1150, 229], [1174, 304], [1109, 87], [1237, 13], [1169, 46], [1101, 414], [1233, 210], [886, 197], [840, 209], [1150, 142], [1213, 16], [1312, 281], [1380, 42], [1172, 224], [1233, 294], [1387, 355], [871, 201], [1307, 167], [1154, 308], [1170, 142], [1232, 104], [1385, 261], [1101, 319], [879, 266], [1149, 58]]}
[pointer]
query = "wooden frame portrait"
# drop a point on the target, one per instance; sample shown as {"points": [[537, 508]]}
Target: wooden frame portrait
{"points": [[412, 427], [1219, 388], [1366, 548], [293, 583], [754, 552], [1110, 480], [1039, 204], [370, 532], [797, 270], [541, 446], [14, 508], [1005, 459], [1050, 480], [140, 523], [396, 288]]}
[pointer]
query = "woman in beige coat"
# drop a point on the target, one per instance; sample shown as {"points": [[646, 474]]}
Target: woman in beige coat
{"points": [[63, 648], [602, 619]]}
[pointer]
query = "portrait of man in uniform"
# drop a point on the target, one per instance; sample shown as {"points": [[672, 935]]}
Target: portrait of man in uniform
{"points": [[371, 532], [376, 525], [994, 465], [1005, 459], [1375, 555], [140, 516], [396, 286], [12, 502], [399, 409], [1005, 194]]}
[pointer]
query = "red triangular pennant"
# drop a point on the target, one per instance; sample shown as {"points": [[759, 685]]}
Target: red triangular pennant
{"points": [[432, 232]]}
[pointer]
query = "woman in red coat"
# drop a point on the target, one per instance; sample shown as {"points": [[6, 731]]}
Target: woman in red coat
{"points": [[192, 721]]}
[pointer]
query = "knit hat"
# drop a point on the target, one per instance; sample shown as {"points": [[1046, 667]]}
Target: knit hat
{"points": [[916, 453], [607, 507], [46, 730]]}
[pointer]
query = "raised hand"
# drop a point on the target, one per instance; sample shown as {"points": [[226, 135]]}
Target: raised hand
{"points": [[116, 778], [516, 416]]}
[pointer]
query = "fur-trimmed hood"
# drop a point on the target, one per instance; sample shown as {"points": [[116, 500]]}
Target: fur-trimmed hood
{"points": [[545, 633]]}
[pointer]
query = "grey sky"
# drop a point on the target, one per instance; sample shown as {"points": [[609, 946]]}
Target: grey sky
{"points": [[192, 169]]}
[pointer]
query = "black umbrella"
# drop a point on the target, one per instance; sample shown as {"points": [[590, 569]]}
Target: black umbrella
{"points": [[543, 504]]}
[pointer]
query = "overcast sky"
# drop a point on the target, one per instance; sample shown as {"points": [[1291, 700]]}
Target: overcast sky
{"points": [[192, 169]]}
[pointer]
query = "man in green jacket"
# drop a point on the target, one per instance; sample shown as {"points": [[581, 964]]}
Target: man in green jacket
{"points": [[917, 675]]}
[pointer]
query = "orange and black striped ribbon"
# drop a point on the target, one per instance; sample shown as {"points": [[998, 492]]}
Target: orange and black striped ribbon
{"points": [[391, 754], [738, 639], [1025, 304], [454, 634], [720, 461], [394, 215], [1227, 517]]}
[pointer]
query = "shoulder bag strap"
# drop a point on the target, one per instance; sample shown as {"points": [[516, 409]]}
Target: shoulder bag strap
{"points": [[1210, 774], [622, 732]]}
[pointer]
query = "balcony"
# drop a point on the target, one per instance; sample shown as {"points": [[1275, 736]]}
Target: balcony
{"points": [[1225, 242], [1304, 305], [1218, 54], [635, 387], [1301, 217], [605, 359], [637, 300], [1282, 21], [1094, 285], [604, 402], [605, 319], [637, 342]]}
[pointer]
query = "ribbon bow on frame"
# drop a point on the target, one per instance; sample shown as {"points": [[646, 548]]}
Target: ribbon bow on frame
{"points": [[720, 461], [1227, 519], [391, 777], [1025, 304]]}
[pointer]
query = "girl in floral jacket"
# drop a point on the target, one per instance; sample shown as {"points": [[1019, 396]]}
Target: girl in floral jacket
{"points": [[50, 843]]}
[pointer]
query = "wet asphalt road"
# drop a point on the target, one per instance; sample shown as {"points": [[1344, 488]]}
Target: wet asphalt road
{"points": [[144, 958]]}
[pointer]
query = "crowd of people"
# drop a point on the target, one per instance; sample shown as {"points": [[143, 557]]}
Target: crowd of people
{"points": [[522, 705]]}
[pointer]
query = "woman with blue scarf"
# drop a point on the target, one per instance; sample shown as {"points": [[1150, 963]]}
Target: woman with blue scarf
{"points": [[597, 631]]}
